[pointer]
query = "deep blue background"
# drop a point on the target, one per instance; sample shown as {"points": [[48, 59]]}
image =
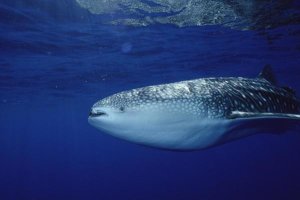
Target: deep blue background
{"points": [[57, 59]]}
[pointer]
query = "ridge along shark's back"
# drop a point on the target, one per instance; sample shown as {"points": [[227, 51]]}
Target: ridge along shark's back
{"points": [[198, 114]]}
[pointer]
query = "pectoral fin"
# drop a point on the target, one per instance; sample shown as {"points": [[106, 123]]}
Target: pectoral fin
{"points": [[251, 115]]}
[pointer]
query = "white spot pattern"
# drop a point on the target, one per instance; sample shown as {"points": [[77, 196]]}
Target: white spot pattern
{"points": [[210, 97]]}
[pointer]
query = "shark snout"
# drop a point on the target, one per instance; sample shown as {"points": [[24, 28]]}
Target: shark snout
{"points": [[96, 112]]}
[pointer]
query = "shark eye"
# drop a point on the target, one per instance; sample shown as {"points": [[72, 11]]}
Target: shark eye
{"points": [[122, 109]]}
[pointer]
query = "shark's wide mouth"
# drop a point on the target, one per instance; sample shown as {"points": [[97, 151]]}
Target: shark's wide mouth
{"points": [[97, 114]]}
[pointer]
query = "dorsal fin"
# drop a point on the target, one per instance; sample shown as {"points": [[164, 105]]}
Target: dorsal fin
{"points": [[267, 74]]}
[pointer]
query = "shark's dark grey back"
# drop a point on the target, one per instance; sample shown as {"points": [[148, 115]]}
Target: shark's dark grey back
{"points": [[214, 97], [251, 95], [259, 95]]}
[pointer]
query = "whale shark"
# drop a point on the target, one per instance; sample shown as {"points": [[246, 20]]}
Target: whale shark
{"points": [[198, 114]]}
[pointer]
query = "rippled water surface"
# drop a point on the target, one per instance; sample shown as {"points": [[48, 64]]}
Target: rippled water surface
{"points": [[58, 57]]}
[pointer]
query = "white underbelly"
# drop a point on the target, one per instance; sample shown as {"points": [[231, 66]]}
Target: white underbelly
{"points": [[185, 135], [193, 135], [178, 132]]}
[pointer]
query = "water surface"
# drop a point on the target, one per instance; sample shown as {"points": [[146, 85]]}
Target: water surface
{"points": [[57, 58]]}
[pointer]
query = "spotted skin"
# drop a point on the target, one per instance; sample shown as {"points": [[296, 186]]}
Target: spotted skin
{"points": [[210, 97]]}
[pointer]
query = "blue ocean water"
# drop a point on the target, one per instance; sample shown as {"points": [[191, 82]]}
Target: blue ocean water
{"points": [[57, 59]]}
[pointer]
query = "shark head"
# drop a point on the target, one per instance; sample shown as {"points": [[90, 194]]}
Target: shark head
{"points": [[147, 117]]}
